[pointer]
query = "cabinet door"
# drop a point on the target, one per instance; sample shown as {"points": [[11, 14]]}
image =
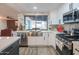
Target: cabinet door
{"points": [[31, 41], [52, 39], [39, 41], [36, 41], [76, 48], [45, 38]]}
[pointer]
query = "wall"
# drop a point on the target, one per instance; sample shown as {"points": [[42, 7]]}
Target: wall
{"points": [[56, 15], [52, 17], [63, 9], [2, 24], [21, 16], [76, 5], [6, 11]]}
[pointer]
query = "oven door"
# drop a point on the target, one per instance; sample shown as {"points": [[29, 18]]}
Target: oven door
{"points": [[59, 44], [62, 49]]}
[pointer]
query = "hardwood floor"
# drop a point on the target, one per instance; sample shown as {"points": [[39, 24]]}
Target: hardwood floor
{"points": [[37, 51]]}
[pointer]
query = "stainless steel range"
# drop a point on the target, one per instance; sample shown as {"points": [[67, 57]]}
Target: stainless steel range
{"points": [[64, 45]]}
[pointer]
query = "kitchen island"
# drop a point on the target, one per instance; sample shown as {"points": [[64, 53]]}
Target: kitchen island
{"points": [[9, 45]]}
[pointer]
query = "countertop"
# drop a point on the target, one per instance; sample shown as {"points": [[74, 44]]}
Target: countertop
{"points": [[40, 31], [7, 41]]}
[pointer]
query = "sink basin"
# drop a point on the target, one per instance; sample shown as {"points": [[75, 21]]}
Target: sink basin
{"points": [[34, 33]]}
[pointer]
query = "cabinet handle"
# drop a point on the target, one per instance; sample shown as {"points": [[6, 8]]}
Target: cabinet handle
{"points": [[48, 34], [77, 50], [44, 37]]}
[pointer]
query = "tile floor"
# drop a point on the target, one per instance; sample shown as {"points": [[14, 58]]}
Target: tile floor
{"points": [[37, 51]]}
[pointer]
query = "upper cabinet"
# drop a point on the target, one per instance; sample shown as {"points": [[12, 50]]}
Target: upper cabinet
{"points": [[12, 24], [71, 16]]}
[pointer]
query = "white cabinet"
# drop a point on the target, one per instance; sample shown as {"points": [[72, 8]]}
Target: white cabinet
{"points": [[38, 40], [48, 39], [76, 47], [31, 41], [52, 38], [45, 36]]}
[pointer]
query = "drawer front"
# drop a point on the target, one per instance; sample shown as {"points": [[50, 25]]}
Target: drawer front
{"points": [[59, 44], [76, 47], [76, 51]]}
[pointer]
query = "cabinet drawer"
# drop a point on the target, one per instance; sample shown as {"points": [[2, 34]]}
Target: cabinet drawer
{"points": [[76, 51], [76, 47]]}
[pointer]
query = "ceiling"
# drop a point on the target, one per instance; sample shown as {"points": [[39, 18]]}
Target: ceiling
{"points": [[28, 7]]}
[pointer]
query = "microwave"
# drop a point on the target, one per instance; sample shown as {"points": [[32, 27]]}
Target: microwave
{"points": [[76, 15], [71, 16]]}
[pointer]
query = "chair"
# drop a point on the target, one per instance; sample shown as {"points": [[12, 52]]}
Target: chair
{"points": [[6, 32]]}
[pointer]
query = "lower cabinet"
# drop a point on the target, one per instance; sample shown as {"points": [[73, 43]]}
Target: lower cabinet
{"points": [[11, 50], [52, 38], [35, 41], [76, 47], [48, 39]]}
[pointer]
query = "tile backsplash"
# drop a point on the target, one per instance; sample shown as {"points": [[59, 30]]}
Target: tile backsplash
{"points": [[70, 26]]}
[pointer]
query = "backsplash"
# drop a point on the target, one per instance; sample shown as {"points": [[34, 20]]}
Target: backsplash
{"points": [[70, 26]]}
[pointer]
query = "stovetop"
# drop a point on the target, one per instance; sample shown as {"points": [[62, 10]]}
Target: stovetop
{"points": [[67, 37]]}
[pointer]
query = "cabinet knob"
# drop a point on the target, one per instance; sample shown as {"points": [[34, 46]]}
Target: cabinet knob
{"points": [[44, 37]]}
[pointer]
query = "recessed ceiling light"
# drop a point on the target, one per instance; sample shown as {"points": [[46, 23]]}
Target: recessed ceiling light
{"points": [[34, 7]]}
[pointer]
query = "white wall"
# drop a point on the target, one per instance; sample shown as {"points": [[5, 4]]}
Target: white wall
{"points": [[2, 24], [6, 11], [65, 8], [52, 17], [21, 16], [76, 5], [55, 15]]}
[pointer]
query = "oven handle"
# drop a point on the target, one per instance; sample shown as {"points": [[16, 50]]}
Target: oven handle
{"points": [[77, 50]]}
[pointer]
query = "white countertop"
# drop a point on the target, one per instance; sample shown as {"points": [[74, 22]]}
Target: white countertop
{"points": [[30, 31], [6, 42], [22, 31]]}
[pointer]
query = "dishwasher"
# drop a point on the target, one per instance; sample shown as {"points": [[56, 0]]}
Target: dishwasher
{"points": [[23, 39]]}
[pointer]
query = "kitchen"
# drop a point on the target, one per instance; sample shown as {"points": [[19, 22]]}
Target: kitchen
{"points": [[39, 29]]}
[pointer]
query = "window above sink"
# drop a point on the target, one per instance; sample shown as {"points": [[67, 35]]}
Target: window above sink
{"points": [[33, 22]]}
